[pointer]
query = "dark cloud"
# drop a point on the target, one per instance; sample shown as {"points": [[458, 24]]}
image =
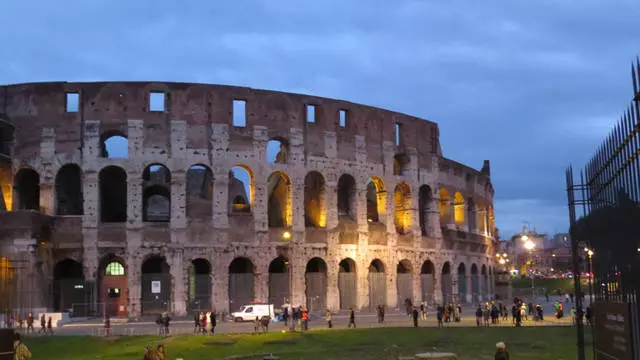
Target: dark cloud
{"points": [[530, 85]]}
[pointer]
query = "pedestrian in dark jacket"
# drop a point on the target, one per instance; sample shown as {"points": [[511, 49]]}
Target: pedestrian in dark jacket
{"points": [[107, 325], [214, 322], [50, 325], [501, 352], [415, 315], [352, 319]]}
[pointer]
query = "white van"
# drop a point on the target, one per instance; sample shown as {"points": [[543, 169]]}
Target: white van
{"points": [[251, 311]]}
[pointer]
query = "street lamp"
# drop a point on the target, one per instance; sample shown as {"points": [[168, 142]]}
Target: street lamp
{"points": [[530, 245], [590, 253], [502, 258]]}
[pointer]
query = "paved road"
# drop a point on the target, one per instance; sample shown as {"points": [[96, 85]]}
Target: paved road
{"points": [[340, 321]]}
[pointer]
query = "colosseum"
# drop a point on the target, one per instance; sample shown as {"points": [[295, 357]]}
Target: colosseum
{"points": [[133, 198]]}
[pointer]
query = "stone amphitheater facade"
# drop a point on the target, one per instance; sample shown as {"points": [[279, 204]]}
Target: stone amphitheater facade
{"points": [[226, 195]]}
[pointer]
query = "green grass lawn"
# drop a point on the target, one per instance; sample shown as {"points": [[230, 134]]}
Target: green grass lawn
{"points": [[548, 343], [550, 284]]}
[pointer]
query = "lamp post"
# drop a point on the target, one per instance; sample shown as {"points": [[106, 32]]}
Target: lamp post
{"points": [[530, 245], [503, 259], [590, 253]]}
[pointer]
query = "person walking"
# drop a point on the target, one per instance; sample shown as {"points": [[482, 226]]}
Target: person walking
{"points": [[166, 323], [30, 321], [479, 316], [43, 325], [107, 325], [285, 316], [203, 323], [329, 324], [20, 350], [415, 315], [440, 315], [196, 322], [50, 325], [501, 352], [423, 311], [305, 320], [352, 319], [213, 321]]}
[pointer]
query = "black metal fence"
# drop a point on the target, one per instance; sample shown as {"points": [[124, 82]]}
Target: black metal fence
{"points": [[608, 195]]}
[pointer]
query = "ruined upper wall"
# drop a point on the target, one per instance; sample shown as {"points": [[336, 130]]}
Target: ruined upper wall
{"points": [[32, 107]]}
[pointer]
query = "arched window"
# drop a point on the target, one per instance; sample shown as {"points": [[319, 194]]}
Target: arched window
{"points": [[114, 269]]}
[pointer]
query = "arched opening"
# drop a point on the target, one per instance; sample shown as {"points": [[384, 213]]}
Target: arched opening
{"points": [[114, 145], [446, 284], [458, 208], [315, 212], [427, 281], [462, 282], [199, 192], [481, 217], [347, 196], [471, 215], [26, 188], [240, 190], [199, 285], [475, 284], [279, 282], [156, 286], [404, 273], [444, 205], [69, 292], [240, 283], [277, 151], [376, 200], [8, 298], [484, 287], [316, 284], [403, 210], [156, 194], [280, 212], [69, 190], [113, 287], [113, 194], [377, 284], [348, 284], [400, 164], [425, 198]]}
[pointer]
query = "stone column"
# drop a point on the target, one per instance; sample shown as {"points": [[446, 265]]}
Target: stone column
{"points": [[333, 296], [452, 213], [297, 203], [363, 285], [134, 200], [178, 281], [437, 287], [297, 280], [135, 135], [221, 198], [220, 287], [134, 289], [455, 291], [261, 283], [91, 200], [417, 286], [178, 200], [331, 203], [481, 286], [392, 287]]}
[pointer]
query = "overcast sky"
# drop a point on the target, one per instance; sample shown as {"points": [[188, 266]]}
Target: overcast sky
{"points": [[530, 85]]}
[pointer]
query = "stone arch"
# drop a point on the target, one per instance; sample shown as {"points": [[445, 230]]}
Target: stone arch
{"points": [[404, 281], [347, 284], [113, 194], [458, 209], [113, 286], [315, 210], [425, 199], [279, 282], [240, 189], [199, 191], [26, 190], [280, 209], [241, 283], [462, 282], [156, 285], [156, 193], [427, 281], [377, 284], [376, 200], [446, 283], [401, 164], [475, 283], [199, 285], [316, 284], [403, 209], [347, 196], [69, 293], [277, 150], [114, 145], [68, 185], [444, 204]]}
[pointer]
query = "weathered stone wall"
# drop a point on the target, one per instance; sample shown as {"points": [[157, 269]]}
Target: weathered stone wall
{"points": [[196, 128]]}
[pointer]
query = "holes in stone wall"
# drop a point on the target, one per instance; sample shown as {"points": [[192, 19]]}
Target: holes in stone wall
{"points": [[343, 114], [72, 102], [240, 189], [471, 218], [199, 192], [400, 164], [444, 205], [315, 214], [114, 145], [239, 113], [279, 205], [376, 200], [113, 194], [425, 199], [277, 151], [69, 190], [26, 187], [347, 196], [311, 114], [403, 211], [157, 101], [156, 193], [458, 208], [398, 137]]}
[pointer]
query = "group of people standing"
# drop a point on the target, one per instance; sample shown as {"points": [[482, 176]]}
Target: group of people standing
{"points": [[204, 323], [297, 315], [46, 324]]}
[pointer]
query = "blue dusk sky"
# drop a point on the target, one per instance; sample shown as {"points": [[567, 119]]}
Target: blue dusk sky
{"points": [[529, 85]]}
